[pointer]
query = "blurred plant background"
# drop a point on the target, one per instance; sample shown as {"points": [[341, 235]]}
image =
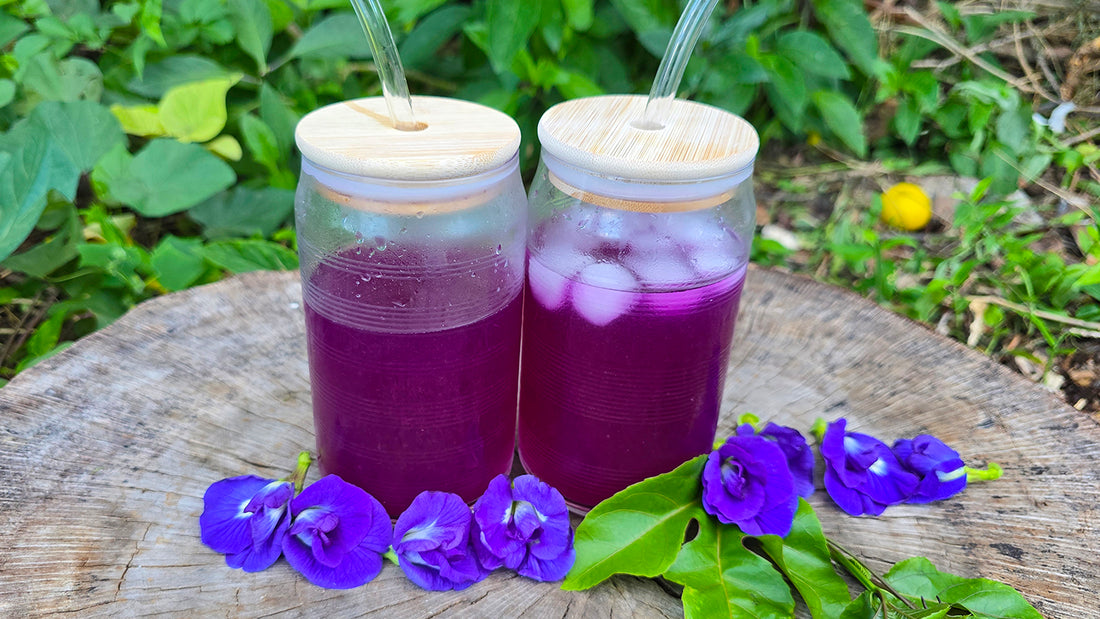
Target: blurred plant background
{"points": [[147, 145]]}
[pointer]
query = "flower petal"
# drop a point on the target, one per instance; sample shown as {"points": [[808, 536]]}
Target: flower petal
{"points": [[433, 545], [847, 499], [224, 526], [549, 569], [262, 555], [433, 520], [351, 505], [357, 567], [800, 457], [328, 515], [775, 521]]}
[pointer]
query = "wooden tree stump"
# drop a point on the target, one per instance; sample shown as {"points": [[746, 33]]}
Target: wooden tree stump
{"points": [[107, 448]]}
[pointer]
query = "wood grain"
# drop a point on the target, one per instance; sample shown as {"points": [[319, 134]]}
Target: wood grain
{"points": [[106, 449], [459, 139], [600, 135]]}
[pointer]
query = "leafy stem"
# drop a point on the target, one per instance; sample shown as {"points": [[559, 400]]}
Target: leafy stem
{"points": [[866, 577]]}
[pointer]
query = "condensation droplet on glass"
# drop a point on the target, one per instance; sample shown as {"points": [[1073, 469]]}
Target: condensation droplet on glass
{"points": [[420, 214], [358, 296], [499, 249], [295, 305], [380, 243], [358, 251]]}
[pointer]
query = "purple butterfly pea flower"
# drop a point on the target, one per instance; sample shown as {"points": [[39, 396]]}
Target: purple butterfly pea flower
{"points": [[746, 482], [941, 471], [524, 526], [246, 518], [862, 475], [800, 458], [432, 543], [338, 534]]}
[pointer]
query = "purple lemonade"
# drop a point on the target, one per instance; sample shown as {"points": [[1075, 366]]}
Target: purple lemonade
{"points": [[414, 368], [626, 340]]}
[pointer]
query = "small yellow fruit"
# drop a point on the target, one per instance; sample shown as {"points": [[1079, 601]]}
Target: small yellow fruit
{"points": [[906, 206]]}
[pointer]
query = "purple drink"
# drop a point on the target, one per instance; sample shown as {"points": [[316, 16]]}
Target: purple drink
{"points": [[623, 359], [414, 369]]}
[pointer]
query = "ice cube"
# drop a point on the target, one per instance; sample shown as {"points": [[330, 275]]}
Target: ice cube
{"points": [[549, 288], [695, 229], [603, 292], [663, 270], [715, 260]]}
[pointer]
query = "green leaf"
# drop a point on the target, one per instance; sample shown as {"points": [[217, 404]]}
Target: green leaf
{"points": [[645, 16], [252, 21], [165, 177], [511, 22], [242, 211], [225, 146], [31, 164], [849, 27], [409, 11], [55, 250], [85, 130], [120, 263], [918, 578], [860, 608], [639, 530], [243, 256], [419, 48], [10, 28], [907, 121], [803, 556], [195, 112], [68, 80], [813, 54], [150, 20], [842, 118], [260, 140], [279, 117], [44, 339], [7, 92], [142, 120], [722, 578], [178, 262], [337, 36], [579, 14], [786, 90], [1014, 129], [160, 77]]}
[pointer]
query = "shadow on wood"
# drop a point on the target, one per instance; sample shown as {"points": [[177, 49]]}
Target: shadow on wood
{"points": [[107, 448]]}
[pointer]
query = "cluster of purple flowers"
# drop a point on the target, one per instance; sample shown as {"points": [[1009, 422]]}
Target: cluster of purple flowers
{"points": [[863, 475], [335, 534], [754, 479]]}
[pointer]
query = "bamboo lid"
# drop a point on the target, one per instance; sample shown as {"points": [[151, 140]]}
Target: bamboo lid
{"points": [[459, 139], [599, 135]]}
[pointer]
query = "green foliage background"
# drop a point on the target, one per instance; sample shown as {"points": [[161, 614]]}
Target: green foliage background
{"points": [[148, 146]]}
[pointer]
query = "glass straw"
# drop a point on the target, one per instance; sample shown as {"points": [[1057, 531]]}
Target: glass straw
{"points": [[394, 87], [673, 63]]}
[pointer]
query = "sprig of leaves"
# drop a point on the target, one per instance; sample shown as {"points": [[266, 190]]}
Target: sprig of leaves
{"points": [[643, 531]]}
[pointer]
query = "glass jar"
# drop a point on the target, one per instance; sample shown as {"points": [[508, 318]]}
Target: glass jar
{"points": [[638, 244], [412, 254]]}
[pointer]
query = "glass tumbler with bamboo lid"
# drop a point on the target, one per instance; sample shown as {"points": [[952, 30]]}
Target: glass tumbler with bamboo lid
{"points": [[638, 243], [412, 254]]}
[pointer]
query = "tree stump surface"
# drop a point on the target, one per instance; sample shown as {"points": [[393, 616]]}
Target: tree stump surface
{"points": [[106, 450]]}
